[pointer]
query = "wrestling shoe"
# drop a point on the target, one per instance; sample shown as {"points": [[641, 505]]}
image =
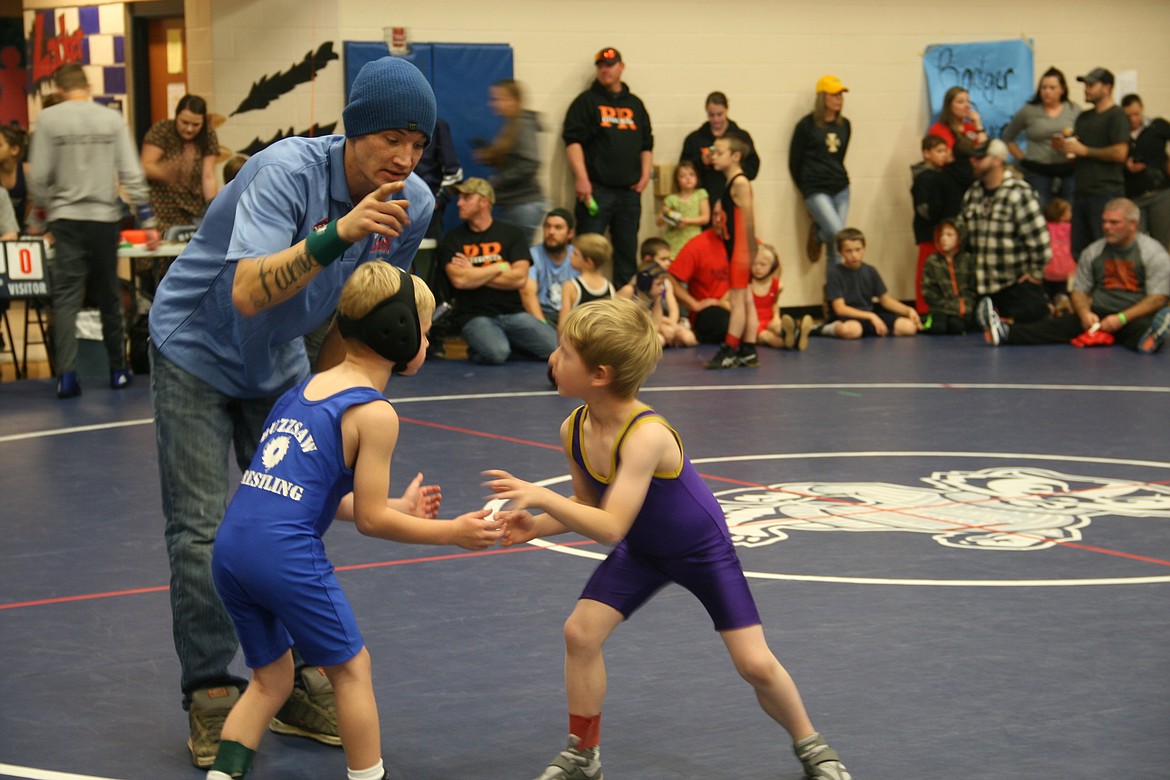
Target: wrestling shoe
{"points": [[994, 329], [820, 761], [806, 329], [68, 386], [120, 378], [572, 763], [787, 331], [311, 711], [747, 357], [206, 713], [1155, 335], [725, 357]]}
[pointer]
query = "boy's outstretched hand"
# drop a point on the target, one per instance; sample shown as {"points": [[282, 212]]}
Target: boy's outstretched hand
{"points": [[421, 500], [520, 494], [473, 532], [518, 526]]}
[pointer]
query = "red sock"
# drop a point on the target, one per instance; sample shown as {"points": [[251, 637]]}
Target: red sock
{"points": [[587, 730], [731, 341]]}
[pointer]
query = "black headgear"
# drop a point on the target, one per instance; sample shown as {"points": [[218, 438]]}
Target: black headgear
{"points": [[645, 278], [392, 328]]}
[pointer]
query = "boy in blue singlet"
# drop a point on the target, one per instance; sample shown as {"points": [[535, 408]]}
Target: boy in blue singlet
{"points": [[635, 490], [325, 453]]}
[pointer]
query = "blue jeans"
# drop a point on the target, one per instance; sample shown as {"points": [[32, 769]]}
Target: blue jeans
{"points": [[1155, 208], [490, 340], [1047, 187], [1086, 220], [195, 424], [619, 209], [830, 213], [526, 216], [85, 259]]}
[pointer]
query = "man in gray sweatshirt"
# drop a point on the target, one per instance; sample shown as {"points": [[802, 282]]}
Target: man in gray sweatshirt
{"points": [[80, 154]]}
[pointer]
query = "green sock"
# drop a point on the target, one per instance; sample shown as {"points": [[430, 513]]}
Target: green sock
{"points": [[233, 759]]}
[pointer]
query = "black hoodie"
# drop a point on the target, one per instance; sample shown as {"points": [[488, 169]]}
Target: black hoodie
{"points": [[613, 129]]}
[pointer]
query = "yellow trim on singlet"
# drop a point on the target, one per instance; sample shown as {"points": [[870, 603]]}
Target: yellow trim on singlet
{"points": [[578, 422]]}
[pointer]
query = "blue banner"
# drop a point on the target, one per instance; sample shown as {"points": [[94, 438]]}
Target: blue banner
{"points": [[996, 74]]}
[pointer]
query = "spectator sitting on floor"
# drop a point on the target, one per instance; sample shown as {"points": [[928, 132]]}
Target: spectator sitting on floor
{"points": [[1120, 293], [703, 290], [1006, 231], [551, 265], [948, 285], [487, 264], [851, 289]]}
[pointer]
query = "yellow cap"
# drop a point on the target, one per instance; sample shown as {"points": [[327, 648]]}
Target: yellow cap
{"points": [[830, 84]]}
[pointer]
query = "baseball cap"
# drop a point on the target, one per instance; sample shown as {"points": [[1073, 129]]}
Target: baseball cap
{"points": [[607, 56], [993, 148], [830, 84], [477, 186], [1097, 76], [564, 214]]}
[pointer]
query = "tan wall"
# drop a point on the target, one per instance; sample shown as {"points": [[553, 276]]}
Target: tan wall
{"points": [[766, 54]]}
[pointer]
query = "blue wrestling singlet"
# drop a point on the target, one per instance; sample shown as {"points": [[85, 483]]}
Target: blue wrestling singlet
{"points": [[269, 562]]}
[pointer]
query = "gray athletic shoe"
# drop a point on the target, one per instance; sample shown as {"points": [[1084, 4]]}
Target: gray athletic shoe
{"points": [[206, 713], [1152, 339], [573, 763], [994, 329], [311, 711], [820, 761]]}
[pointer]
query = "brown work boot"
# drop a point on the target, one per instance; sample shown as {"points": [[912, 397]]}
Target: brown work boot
{"points": [[310, 711], [206, 713]]}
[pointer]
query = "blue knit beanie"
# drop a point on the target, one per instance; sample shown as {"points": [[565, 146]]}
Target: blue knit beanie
{"points": [[389, 94]]}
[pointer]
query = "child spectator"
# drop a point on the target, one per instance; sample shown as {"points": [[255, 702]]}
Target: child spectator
{"points": [[734, 221], [948, 285], [653, 286], [936, 195], [592, 257], [776, 330], [686, 210], [1062, 268], [232, 167], [850, 289], [336, 464], [637, 492]]}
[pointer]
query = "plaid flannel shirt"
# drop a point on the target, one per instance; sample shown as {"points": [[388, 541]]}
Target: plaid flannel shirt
{"points": [[1006, 232]]}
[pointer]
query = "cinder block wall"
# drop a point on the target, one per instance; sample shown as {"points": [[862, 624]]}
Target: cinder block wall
{"points": [[765, 54]]}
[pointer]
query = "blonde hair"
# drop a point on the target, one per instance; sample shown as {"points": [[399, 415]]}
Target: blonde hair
{"points": [[771, 250], [619, 333], [596, 247], [374, 282], [818, 112]]}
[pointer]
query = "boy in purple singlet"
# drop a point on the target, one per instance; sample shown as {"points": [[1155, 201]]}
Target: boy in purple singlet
{"points": [[635, 490], [325, 453]]}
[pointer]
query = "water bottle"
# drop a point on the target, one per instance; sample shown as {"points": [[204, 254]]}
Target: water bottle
{"points": [[591, 206]]}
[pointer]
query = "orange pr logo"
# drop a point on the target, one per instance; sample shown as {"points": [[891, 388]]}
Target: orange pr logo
{"points": [[486, 251], [617, 118]]}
